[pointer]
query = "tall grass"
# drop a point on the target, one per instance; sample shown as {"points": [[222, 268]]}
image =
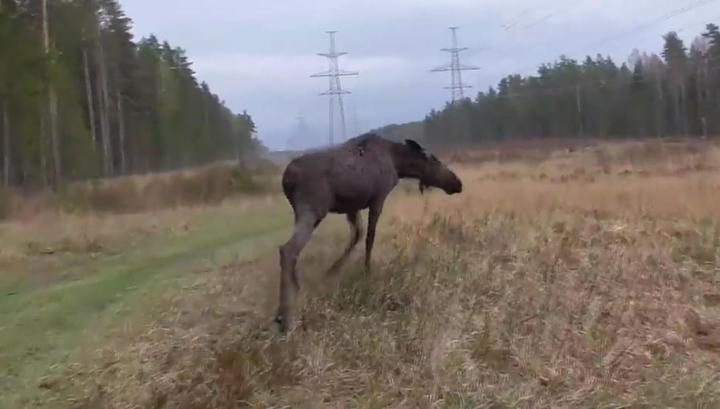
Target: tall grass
{"points": [[561, 282], [208, 185], [487, 311]]}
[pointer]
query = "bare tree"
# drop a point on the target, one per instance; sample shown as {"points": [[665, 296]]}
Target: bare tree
{"points": [[54, 141], [89, 95], [121, 130], [104, 108], [6, 143]]}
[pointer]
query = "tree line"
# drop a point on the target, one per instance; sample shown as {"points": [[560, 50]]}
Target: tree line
{"points": [[80, 99], [676, 93]]}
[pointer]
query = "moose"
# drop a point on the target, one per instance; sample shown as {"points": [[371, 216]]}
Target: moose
{"points": [[346, 179]]}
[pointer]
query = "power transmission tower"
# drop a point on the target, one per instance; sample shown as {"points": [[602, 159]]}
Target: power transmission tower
{"points": [[302, 127], [355, 128], [456, 68], [300, 134], [335, 91]]}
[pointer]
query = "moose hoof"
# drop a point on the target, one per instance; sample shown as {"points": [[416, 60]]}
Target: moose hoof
{"points": [[282, 324]]}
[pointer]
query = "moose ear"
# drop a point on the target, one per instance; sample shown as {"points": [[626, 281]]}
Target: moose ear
{"points": [[414, 145]]}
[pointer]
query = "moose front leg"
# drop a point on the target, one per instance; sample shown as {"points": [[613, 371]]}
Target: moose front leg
{"points": [[373, 216]]}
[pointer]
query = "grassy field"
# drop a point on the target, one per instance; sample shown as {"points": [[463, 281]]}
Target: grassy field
{"points": [[67, 280], [560, 278]]}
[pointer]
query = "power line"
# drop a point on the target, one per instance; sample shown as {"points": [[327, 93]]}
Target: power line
{"points": [[512, 22], [548, 16], [685, 27], [665, 17], [335, 90], [457, 86]]}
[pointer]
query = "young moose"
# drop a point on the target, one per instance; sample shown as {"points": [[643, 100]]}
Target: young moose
{"points": [[346, 179]]}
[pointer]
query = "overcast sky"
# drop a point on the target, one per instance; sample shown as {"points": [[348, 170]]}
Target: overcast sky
{"points": [[258, 55]]}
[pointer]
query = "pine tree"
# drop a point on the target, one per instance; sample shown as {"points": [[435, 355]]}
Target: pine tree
{"points": [[674, 53], [119, 107], [648, 96], [22, 69], [712, 77]]}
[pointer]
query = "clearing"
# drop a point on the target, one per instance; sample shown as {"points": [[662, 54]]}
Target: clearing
{"points": [[561, 278]]}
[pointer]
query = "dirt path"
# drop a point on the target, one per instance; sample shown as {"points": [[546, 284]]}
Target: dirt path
{"points": [[42, 326]]}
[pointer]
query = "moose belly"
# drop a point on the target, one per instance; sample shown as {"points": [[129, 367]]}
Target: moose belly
{"points": [[352, 195], [349, 204], [354, 187]]}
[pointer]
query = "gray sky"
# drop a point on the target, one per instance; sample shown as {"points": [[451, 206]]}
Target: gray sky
{"points": [[258, 55]]}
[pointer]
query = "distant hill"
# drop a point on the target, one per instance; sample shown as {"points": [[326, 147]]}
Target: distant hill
{"points": [[281, 157], [285, 156], [400, 132], [393, 132]]}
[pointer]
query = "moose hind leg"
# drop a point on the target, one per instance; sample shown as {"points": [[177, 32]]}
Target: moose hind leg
{"points": [[289, 282], [356, 233], [373, 217]]}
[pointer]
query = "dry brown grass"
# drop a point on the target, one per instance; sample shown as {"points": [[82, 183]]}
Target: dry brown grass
{"points": [[207, 185], [530, 290], [41, 242]]}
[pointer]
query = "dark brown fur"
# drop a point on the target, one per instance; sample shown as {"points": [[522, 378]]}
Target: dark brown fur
{"points": [[346, 179]]}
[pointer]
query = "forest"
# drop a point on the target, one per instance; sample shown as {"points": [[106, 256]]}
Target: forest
{"points": [[674, 94], [81, 99]]}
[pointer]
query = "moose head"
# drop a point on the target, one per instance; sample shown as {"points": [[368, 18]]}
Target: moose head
{"points": [[430, 171]]}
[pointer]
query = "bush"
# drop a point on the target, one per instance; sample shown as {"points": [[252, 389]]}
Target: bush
{"points": [[208, 185], [103, 196], [6, 199], [241, 181]]}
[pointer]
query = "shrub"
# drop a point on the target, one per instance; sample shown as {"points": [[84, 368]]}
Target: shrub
{"points": [[208, 185], [6, 199]]}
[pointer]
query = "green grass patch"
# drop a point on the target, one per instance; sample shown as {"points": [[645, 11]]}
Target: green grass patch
{"points": [[41, 327]]}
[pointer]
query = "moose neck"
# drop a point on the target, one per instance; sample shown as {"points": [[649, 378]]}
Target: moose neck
{"points": [[406, 162]]}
